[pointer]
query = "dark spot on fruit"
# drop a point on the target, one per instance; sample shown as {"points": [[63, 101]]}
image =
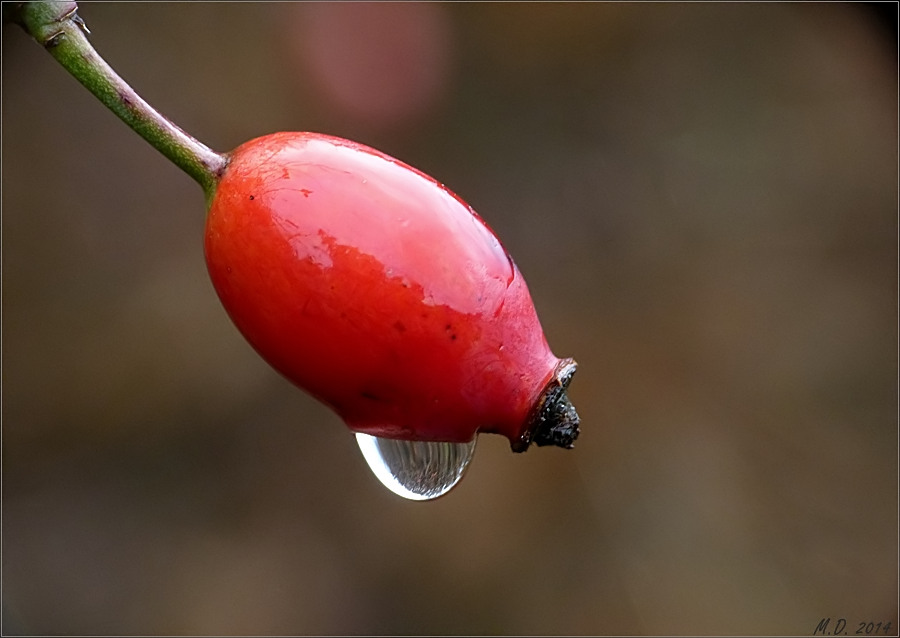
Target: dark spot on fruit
{"points": [[306, 192], [251, 197], [452, 337], [369, 395], [399, 327], [448, 327]]}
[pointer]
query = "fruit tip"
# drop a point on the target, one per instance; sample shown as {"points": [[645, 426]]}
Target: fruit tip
{"points": [[554, 420]]}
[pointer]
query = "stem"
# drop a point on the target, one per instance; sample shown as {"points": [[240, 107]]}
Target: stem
{"points": [[57, 27]]}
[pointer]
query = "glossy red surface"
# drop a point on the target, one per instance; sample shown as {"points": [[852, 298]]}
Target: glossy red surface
{"points": [[374, 288]]}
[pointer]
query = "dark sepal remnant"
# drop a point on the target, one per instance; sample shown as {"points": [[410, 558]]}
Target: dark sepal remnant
{"points": [[554, 420]]}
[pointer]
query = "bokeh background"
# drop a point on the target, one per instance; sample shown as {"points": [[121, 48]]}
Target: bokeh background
{"points": [[703, 198]]}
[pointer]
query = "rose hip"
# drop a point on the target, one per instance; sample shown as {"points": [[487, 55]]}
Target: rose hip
{"points": [[381, 293]]}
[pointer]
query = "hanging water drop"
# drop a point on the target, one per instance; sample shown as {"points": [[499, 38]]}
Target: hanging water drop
{"points": [[417, 470]]}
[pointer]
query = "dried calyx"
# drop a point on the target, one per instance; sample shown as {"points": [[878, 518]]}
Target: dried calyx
{"points": [[553, 420]]}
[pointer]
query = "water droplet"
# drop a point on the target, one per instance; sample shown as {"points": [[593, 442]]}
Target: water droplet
{"points": [[417, 470]]}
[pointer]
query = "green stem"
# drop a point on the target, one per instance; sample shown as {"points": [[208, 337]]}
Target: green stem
{"points": [[57, 27]]}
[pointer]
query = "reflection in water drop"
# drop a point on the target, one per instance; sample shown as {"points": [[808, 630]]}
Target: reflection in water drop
{"points": [[417, 470]]}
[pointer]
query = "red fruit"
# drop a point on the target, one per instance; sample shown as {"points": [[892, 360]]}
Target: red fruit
{"points": [[373, 287]]}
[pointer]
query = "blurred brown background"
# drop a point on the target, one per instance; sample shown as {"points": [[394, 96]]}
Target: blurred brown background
{"points": [[703, 199]]}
